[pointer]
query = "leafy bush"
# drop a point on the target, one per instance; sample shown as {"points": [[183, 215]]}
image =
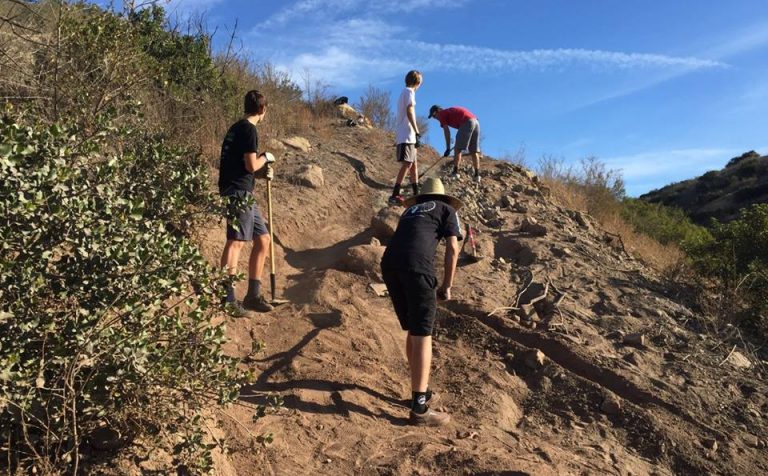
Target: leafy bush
{"points": [[665, 224], [105, 308], [735, 255]]}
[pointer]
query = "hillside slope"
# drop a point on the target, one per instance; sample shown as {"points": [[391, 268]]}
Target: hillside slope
{"points": [[551, 393], [718, 193]]}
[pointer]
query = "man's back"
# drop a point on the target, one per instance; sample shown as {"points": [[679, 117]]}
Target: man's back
{"points": [[241, 138], [421, 227]]}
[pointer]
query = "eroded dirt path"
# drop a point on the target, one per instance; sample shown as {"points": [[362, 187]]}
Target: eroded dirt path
{"points": [[335, 354]]}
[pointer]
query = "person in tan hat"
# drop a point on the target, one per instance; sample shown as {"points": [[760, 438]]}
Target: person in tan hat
{"points": [[408, 270]]}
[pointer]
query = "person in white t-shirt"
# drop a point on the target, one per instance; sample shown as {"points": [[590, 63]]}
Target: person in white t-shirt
{"points": [[407, 136]]}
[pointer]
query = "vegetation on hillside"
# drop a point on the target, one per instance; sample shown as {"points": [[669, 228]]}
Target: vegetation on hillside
{"points": [[107, 309], [718, 194]]}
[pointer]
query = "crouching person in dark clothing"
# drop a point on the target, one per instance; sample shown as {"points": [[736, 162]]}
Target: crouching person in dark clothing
{"points": [[409, 272]]}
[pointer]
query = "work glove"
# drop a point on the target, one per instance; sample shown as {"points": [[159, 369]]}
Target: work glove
{"points": [[447, 152], [269, 157], [269, 174], [418, 140]]}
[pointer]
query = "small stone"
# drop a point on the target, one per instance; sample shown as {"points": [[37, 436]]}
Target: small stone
{"points": [[710, 444], [738, 360], [611, 404], [535, 359], [751, 440], [632, 358], [637, 339], [375, 241]]}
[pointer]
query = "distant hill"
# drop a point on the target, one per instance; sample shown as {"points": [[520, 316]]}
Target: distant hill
{"points": [[718, 193]]}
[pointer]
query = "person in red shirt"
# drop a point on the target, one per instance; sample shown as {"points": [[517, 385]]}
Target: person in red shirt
{"points": [[467, 135]]}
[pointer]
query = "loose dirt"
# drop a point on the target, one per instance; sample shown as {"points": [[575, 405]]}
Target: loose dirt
{"points": [[591, 404]]}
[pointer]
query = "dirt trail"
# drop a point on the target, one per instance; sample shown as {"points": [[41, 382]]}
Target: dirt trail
{"points": [[335, 354]]}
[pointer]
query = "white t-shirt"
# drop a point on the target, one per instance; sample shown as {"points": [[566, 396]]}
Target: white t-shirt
{"points": [[404, 133]]}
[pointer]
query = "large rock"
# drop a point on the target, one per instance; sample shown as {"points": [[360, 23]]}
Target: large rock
{"points": [[532, 227], [364, 260], [298, 143], [385, 222], [310, 176]]}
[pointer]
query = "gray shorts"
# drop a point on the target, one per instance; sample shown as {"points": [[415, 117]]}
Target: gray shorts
{"points": [[244, 221], [406, 153], [468, 136]]}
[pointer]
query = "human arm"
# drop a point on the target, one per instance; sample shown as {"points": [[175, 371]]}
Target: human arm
{"points": [[410, 112], [451, 257], [254, 161], [447, 133]]}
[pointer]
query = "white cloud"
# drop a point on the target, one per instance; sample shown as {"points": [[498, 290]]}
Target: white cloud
{"points": [[335, 8]]}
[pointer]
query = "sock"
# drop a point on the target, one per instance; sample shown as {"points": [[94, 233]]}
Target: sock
{"points": [[415, 188], [229, 288], [477, 172], [396, 190], [429, 394], [254, 288], [419, 404], [455, 170]]}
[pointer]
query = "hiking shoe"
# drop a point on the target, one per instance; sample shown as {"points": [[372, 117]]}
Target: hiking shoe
{"points": [[477, 178], [234, 309], [429, 418], [258, 304], [395, 200], [455, 175]]}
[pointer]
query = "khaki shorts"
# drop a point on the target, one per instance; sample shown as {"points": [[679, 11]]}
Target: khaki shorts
{"points": [[406, 153], [468, 136]]}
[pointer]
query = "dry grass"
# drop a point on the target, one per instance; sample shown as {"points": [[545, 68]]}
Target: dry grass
{"points": [[664, 258]]}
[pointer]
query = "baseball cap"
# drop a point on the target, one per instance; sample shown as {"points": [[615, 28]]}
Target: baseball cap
{"points": [[433, 111]]}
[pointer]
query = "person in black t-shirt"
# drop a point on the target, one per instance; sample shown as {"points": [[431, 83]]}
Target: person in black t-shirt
{"points": [[239, 162], [409, 273]]}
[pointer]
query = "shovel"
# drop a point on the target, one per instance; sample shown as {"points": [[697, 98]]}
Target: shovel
{"points": [[272, 278]]}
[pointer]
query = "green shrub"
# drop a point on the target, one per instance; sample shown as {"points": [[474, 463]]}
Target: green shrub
{"points": [[665, 224], [105, 308], [735, 255]]}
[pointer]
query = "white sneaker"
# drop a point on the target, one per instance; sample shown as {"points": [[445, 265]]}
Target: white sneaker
{"points": [[456, 175]]}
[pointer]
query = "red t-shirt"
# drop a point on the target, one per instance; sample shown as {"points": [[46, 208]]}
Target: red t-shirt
{"points": [[454, 116]]}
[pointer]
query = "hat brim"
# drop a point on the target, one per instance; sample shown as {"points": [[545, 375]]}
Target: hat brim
{"points": [[450, 200]]}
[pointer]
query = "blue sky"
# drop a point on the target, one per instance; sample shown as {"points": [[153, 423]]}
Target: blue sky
{"points": [[664, 90]]}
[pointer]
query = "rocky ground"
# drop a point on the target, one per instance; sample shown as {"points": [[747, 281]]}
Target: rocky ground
{"points": [[560, 354]]}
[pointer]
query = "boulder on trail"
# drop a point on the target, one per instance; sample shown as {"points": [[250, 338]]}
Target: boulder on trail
{"points": [[385, 222], [298, 143], [364, 260], [310, 176]]}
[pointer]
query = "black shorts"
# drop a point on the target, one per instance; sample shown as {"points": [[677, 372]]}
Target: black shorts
{"points": [[244, 221], [414, 300]]}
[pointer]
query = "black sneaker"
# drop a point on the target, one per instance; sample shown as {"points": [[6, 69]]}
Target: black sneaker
{"points": [[234, 309], [258, 304]]}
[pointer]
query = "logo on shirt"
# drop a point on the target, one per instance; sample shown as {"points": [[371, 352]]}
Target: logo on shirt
{"points": [[419, 209]]}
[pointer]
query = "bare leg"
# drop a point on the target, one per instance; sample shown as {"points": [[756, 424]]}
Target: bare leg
{"points": [[401, 174], [409, 350], [414, 172], [457, 159], [258, 257], [230, 255], [421, 361], [476, 161]]}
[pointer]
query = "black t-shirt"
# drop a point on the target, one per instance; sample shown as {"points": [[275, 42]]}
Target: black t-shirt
{"points": [[421, 227], [241, 139]]}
